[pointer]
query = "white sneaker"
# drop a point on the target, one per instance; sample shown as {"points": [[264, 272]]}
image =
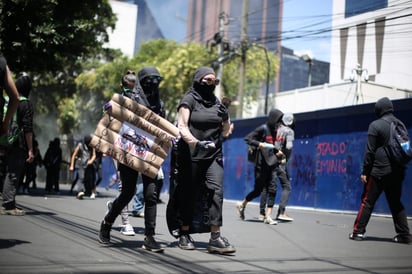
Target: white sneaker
{"points": [[284, 217], [127, 230], [261, 217], [268, 220], [80, 195], [93, 196]]}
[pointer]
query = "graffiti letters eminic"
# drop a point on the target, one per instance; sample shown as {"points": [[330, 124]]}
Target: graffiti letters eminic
{"points": [[331, 158]]}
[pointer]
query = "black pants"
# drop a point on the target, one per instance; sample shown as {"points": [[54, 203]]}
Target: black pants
{"points": [[11, 162], [52, 178], [391, 185], [263, 178], [89, 180], [210, 173], [269, 192], [129, 177]]}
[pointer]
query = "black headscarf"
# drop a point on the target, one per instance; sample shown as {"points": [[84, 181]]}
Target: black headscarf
{"points": [[201, 91]]}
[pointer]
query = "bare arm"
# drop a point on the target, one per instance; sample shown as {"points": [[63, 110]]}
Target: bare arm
{"points": [[227, 128], [183, 126], [29, 141], [73, 159]]}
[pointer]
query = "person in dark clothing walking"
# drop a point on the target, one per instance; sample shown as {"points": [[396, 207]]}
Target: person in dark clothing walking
{"points": [[202, 122], [21, 150], [380, 175], [285, 135], [30, 169], [264, 137], [129, 176], [150, 78], [52, 161]]}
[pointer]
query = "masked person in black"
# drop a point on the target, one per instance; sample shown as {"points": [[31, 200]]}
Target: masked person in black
{"points": [[264, 137], [380, 175], [150, 79], [128, 177], [202, 121]]}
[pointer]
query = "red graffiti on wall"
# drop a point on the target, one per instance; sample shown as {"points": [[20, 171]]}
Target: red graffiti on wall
{"points": [[331, 158]]}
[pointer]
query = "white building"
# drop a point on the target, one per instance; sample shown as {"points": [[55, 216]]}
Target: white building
{"points": [[371, 40], [123, 37], [380, 40]]}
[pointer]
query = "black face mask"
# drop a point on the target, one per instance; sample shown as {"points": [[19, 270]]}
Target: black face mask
{"points": [[150, 88], [205, 89]]}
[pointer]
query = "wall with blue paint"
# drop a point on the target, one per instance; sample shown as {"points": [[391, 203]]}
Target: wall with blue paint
{"points": [[326, 161]]}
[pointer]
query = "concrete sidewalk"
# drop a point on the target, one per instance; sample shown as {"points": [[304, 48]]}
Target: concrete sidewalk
{"points": [[58, 234]]}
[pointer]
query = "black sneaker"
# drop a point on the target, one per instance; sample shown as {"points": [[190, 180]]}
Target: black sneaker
{"points": [[186, 242], [402, 239], [220, 245], [104, 234], [151, 244], [356, 236]]}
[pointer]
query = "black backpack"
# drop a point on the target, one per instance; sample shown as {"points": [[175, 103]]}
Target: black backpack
{"points": [[398, 148], [16, 133]]}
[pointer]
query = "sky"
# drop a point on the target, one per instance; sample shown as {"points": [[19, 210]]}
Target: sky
{"points": [[301, 19]]}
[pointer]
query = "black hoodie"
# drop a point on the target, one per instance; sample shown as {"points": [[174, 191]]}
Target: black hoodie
{"points": [[266, 133], [376, 161], [152, 91]]}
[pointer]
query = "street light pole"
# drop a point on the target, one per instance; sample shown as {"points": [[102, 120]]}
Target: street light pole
{"points": [[308, 60], [267, 79], [218, 91], [358, 71]]}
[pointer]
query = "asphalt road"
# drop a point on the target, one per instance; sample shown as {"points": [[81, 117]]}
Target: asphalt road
{"points": [[58, 234]]}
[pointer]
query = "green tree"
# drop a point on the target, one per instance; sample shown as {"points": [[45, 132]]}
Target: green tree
{"points": [[53, 40], [51, 35], [177, 64]]}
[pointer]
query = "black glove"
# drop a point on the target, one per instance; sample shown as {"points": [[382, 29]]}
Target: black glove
{"points": [[205, 145], [222, 112]]}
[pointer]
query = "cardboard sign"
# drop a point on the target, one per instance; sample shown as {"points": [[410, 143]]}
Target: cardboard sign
{"points": [[134, 135]]}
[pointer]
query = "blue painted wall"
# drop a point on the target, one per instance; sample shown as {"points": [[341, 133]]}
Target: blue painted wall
{"points": [[326, 161]]}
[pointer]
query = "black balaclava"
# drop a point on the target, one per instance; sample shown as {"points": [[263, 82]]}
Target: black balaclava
{"points": [[206, 91], [383, 106], [151, 89], [274, 118]]}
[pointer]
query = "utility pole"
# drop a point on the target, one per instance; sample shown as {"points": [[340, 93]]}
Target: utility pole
{"points": [[243, 45], [218, 91]]}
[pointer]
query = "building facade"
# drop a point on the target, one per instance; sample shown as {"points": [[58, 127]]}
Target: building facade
{"points": [[376, 35], [135, 24]]}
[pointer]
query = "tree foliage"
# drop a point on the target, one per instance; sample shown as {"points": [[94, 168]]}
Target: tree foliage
{"points": [[50, 35], [52, 40], [177, 64]]}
